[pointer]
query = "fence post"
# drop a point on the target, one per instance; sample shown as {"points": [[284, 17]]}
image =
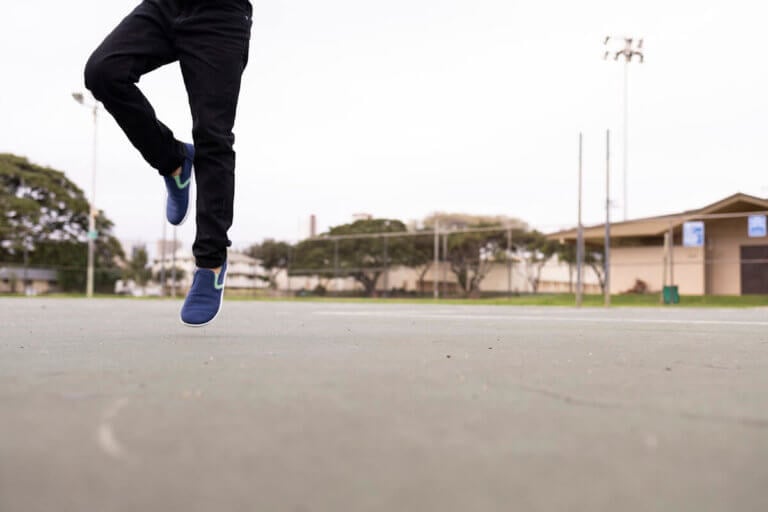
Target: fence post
{"points": [[336, 263], [607, 253], [386, 266], [436, 273], [509, 263], [580, 238]]}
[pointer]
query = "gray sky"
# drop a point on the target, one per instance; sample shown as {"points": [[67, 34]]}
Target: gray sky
{"points": [[404, 107]]}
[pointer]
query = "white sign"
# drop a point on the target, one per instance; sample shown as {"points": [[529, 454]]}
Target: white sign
{"points": [[757, 226], [693, 234]]}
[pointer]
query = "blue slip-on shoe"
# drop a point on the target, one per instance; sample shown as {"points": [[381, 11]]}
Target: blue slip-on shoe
{"points": [[205, 297], [177, 205]]}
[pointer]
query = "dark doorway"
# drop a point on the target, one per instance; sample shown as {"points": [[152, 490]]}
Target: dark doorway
{"points": [[754, 270]]}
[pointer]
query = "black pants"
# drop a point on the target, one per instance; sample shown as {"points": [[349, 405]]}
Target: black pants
{"points": [[210, 40]]}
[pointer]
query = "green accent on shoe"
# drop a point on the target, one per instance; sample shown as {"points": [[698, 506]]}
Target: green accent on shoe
{"points": [[180, 184], [216, 282]]}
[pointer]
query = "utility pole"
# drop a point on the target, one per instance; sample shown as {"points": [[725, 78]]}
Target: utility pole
{"points": [[336, 262], [628, 51], [436, 273], [445, 265], [580, 237], [92, 233], [173, 265], [509, 263], [607, 253], [386, 266], [163, 283]]}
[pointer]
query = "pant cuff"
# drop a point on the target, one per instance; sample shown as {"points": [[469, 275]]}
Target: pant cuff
{"points": [[174, 161]]}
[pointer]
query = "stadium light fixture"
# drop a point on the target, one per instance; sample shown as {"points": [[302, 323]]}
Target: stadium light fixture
{"points": [[628, 49]]}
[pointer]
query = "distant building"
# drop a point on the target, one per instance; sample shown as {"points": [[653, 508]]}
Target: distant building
{"points": [[29, 281], [731, 260], [243, 272]]}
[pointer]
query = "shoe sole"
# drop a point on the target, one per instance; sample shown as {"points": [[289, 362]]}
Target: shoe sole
{"points": [[221, 305]]}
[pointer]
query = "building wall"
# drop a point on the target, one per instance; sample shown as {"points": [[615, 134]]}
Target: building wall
{"points": [[555, 278], [628, 264], [724, 239], [35, 287]]}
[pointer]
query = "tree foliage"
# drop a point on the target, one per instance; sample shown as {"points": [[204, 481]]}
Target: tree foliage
{"points": [[593, 258], [138, 268], [533, 250], [46, 215], [363, 259], [472, 255], [274, 256]]}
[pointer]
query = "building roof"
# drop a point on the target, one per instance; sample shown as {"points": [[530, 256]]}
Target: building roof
{"points": [[657, 226]]}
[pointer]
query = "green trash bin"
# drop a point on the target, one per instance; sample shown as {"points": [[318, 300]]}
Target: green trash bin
{"points": [[671, 295]]}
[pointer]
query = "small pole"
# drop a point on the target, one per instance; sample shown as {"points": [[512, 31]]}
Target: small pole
{"points": [[509, 263], [92, 214], [288, 268], [386, 266], [26, 268], [626, 139], [435, 290], [445, 265], [607, 255], [336, 262], [671, 256], [580, 237], [665, 261], [163, 283], [173, 265]]}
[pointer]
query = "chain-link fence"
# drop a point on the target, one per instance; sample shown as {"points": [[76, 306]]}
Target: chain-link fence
{"points": [[704, 254]]}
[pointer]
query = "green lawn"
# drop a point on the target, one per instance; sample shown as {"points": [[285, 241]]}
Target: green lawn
{"points": [[528, 300], [552, 300]]}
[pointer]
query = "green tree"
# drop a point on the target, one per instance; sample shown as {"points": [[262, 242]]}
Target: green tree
{"points": [[138, 268], [422, 256], [362, 258], [534, 250], [45, 217], [593, 258], [471, 255], [274, 256]]}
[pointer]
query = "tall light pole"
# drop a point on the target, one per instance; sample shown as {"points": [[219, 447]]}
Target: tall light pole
{"points": [[627, 49], [580, 233], [92, 233]]}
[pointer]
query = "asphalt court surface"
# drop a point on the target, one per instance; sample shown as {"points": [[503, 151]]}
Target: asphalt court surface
{"points": [[111, 405]]}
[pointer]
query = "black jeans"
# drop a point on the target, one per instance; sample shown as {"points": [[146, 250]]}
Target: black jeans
{"points": [[210, 40]]}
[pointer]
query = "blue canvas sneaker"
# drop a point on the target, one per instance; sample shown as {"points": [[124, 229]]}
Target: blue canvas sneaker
{"points": [[205, 298], [177, 206]]}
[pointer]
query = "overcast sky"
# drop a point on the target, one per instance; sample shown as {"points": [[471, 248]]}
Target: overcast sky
{"points": [[401, 108]]}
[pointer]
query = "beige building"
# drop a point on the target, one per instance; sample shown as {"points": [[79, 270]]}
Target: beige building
{"points": [[30, 281], [243, 272], [555, 277], [732, 261]]}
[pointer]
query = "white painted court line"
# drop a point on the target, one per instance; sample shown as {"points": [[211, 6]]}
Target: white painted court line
{"points": [[542, 318], [105, 434]]}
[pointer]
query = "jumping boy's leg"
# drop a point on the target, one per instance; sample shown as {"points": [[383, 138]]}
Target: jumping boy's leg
{"points": [[142, 42], [139, 44], [213, 52]]}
